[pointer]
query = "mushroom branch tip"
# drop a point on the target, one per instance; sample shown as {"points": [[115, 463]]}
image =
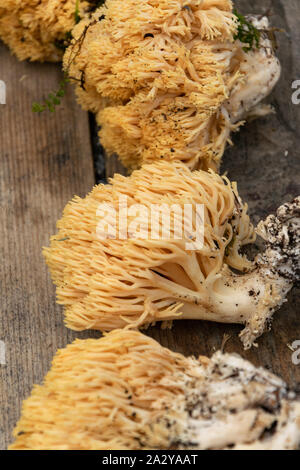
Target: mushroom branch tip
{"points": [[134, 278], [171, 80], [126, 392]]}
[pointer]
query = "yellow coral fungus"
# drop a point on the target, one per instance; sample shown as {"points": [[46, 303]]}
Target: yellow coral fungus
{"points": [[160, 75], [126, 392], [36, 29], [138, 276]]}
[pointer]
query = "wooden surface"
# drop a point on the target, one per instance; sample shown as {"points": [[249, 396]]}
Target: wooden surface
{"points": [[46, 159]]}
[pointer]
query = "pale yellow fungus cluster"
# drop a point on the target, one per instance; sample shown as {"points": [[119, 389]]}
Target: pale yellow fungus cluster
{"points": [[109, 282], [126, 392], [36, 29], [167, 79]]}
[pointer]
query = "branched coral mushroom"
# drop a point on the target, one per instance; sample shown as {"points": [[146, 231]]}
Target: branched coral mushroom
{"points": [[169, 78], [37, 29], [137, 275], [125, 391]]}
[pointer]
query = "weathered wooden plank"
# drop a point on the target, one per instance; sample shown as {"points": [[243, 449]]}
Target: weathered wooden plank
{"points": [[45, 159], [266, 178]]}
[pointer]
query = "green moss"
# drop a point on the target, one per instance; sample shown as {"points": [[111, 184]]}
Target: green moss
{"points": [[53, 99], [247, 33]]}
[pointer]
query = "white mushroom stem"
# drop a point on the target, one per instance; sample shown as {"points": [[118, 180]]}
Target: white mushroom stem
{"points": [[261, 69], [252, 299], [239, 406]]}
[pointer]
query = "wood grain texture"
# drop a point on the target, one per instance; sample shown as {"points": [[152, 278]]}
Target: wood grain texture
{"points": [[46, 159], [266, 178]]}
